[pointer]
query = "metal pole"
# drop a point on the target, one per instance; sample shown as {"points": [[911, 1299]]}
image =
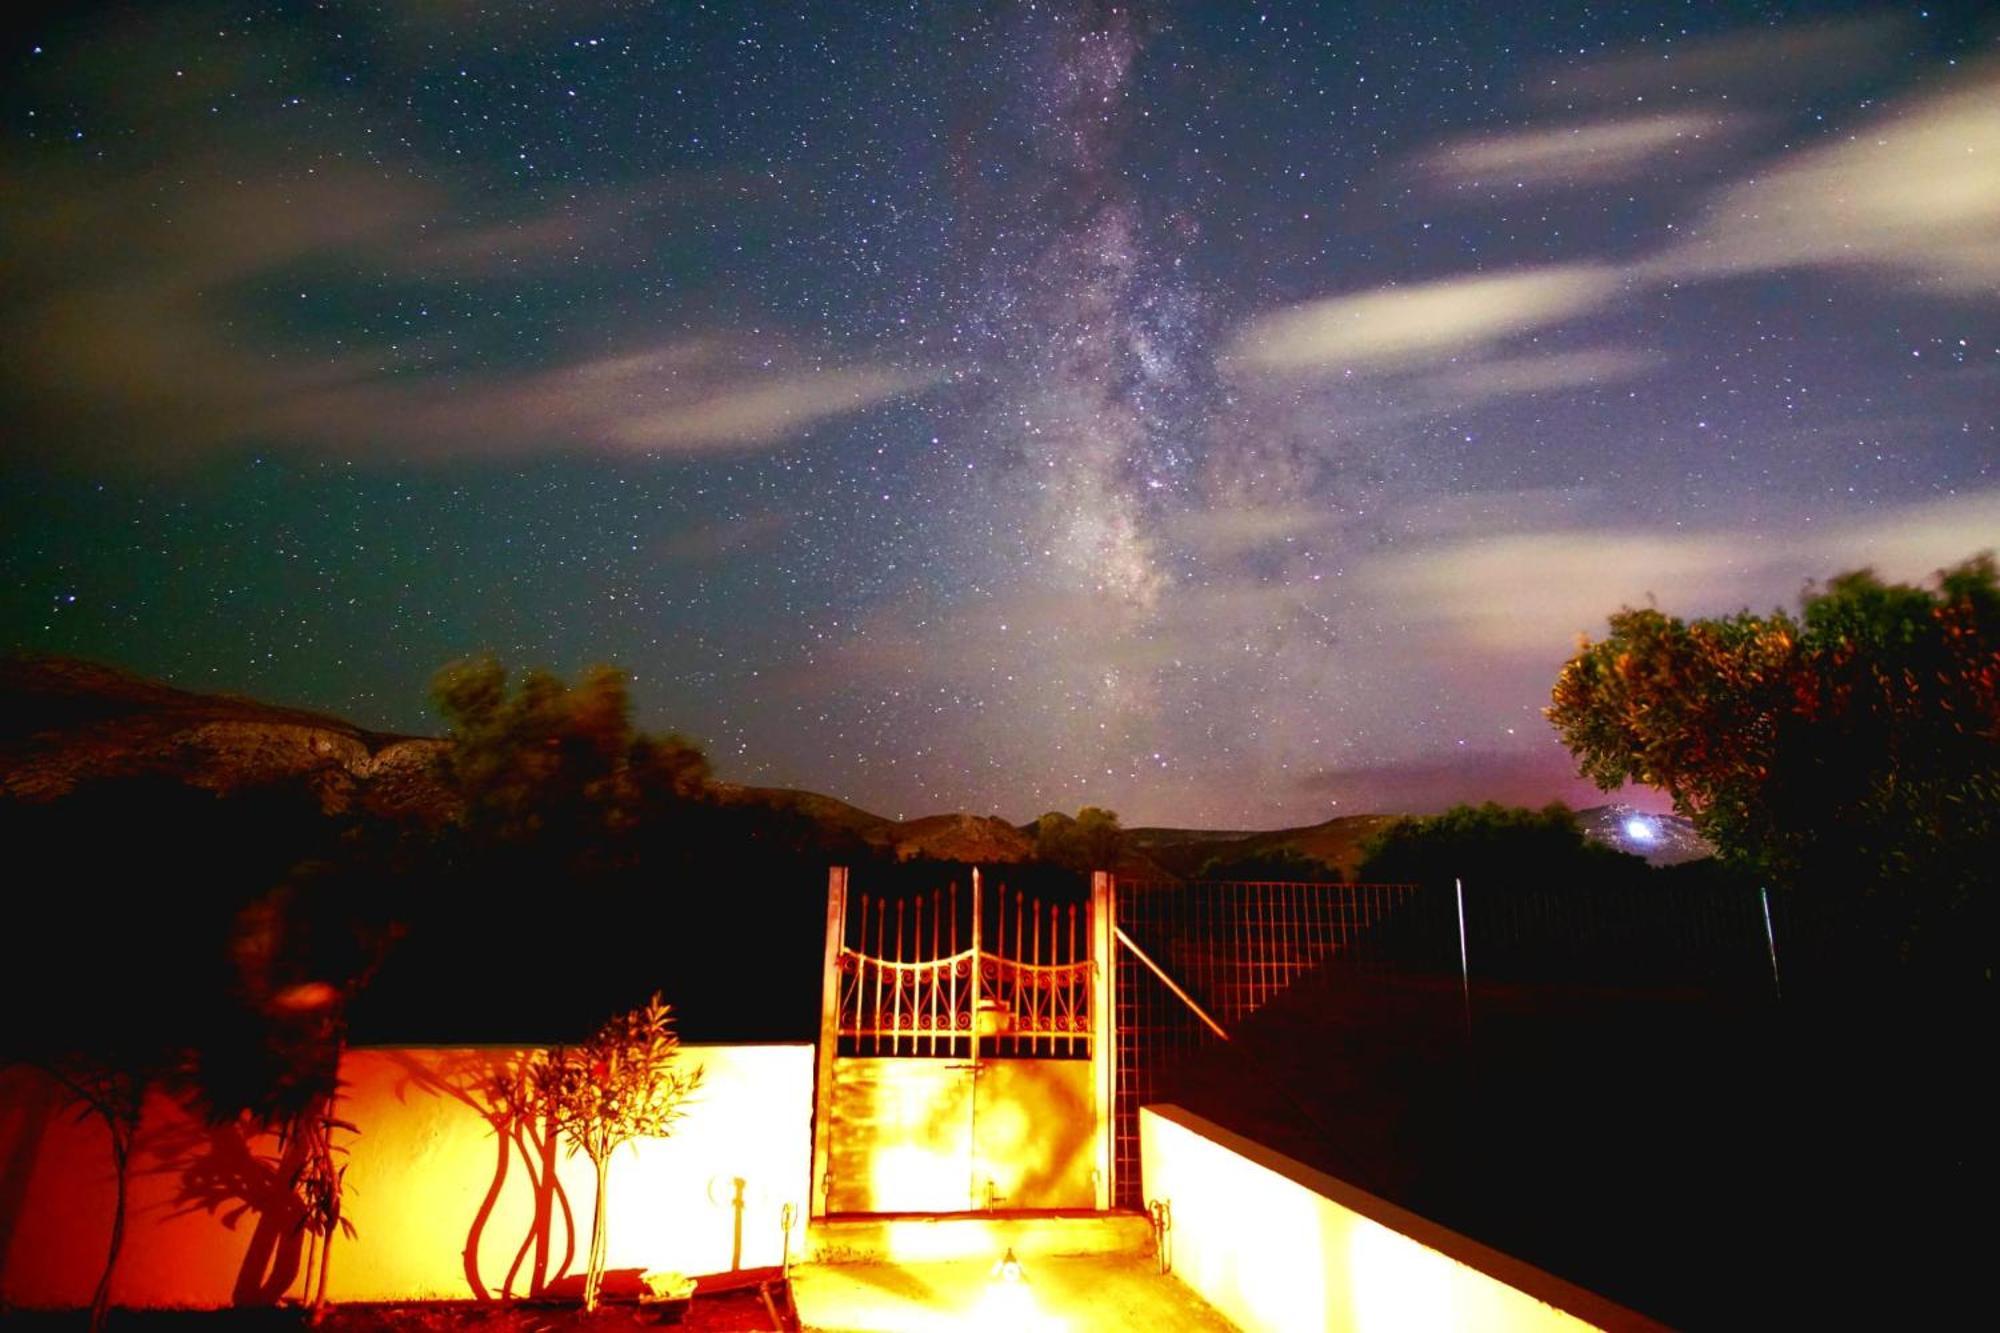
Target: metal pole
{"points": [[1771, 940], [1103, 1033], [829, 1037], [1119, 934]]}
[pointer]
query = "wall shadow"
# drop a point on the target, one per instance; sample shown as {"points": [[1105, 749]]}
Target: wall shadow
{"points": [[224, 1170], [497, 1085]]}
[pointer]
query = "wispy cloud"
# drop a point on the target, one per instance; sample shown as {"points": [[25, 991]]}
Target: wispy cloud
{"points": [[1585, 153], [1414, 323], [1480, 382], [1531, 775], [131, 291], [1915, 193], [1234, 530], [1762, 60], [582, 228], [1532, 592]]}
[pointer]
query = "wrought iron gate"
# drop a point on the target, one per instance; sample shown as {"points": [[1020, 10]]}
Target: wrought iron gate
{"points": [[964, 1059]]}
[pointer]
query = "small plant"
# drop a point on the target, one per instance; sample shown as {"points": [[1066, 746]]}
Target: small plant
{"points": [[319, 1186], [623, 1084], [113, 1089]]}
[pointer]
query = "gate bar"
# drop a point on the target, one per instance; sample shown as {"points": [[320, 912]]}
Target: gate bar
{"points": [[1169, 982]]}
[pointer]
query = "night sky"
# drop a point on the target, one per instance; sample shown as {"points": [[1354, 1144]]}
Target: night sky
{"points": [[1226, 413]]}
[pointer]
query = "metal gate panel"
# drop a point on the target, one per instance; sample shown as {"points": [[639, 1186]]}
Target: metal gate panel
{"points": [[964, 1057], [1034, 1134], [901, 1136]]}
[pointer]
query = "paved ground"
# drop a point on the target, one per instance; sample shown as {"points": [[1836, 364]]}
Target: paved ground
{"points": [[1066, 1295]]}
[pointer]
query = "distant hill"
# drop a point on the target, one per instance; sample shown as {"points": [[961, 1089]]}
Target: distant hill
{"points": [[1336, 843], [66, 723], [1662, 839]]}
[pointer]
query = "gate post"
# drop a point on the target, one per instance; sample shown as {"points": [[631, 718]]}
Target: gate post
{"points": [[829, 1033], [1103, 1001]]}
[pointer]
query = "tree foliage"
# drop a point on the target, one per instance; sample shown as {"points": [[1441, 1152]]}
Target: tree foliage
{"points": [[1091, 841], [624, 1083], [1492, 844], [1855, 743], [557, 765], [1286, 865], [110, 1083]]}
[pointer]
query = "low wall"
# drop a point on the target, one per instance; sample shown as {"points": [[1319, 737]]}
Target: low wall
{"points": [[442, 1192], [1273, 1244]]}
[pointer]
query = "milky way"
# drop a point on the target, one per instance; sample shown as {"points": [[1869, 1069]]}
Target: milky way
{"points": [[1226, 414]]}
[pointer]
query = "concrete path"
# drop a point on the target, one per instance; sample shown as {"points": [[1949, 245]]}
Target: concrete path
{"points": [[1057, 1295]]}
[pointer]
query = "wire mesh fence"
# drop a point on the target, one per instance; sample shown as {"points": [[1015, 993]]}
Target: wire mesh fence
{"points": [[1231, 947]]}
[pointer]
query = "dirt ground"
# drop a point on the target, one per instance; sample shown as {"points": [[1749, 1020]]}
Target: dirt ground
{"points": [[728, 1312]]}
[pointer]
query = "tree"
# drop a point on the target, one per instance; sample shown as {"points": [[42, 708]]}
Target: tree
{"points": [[557, 766], [1856, 744], [1272, 864], [622, 1085], [1091, 841], [1493, 843], [110, 1085]]}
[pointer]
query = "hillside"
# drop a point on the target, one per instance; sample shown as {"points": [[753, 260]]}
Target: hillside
{"points": [[66, 723], [1336, 843]]}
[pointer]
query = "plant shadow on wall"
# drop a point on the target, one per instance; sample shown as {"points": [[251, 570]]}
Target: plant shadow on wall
{"points": [[500, 1086], [226, 991], [227, 1171]]}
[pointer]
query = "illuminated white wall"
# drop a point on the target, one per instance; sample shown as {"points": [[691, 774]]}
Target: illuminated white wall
{"points": [[423, 1168], [1275, 1245]]}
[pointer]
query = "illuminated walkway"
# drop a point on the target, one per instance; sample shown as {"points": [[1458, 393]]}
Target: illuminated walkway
{"points": [[1071, 1294]]}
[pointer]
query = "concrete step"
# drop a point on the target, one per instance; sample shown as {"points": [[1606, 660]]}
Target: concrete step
{"points": [[903, 1238]]}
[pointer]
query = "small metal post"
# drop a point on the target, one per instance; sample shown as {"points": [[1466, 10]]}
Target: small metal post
{"points": [[1771, 940], [736, 1202]]}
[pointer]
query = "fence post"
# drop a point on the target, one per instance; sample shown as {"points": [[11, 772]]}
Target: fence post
{"points": [[1771, 940], [1103, 1048], [829, 1034]]}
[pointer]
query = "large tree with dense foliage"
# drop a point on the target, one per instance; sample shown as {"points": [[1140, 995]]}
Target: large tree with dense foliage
{"points": [[556, 765], [1855, 744]]}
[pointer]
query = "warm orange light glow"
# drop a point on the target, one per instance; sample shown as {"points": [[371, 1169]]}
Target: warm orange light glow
{"points": [[304, 997], [911, 1135], [1009, 1303], [437, 1200]]}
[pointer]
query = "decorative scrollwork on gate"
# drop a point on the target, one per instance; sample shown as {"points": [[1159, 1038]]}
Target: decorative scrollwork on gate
{"points": [[909, 986]]}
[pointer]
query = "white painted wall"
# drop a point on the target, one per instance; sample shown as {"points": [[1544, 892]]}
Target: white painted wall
{"points": [[1275, 1245]]}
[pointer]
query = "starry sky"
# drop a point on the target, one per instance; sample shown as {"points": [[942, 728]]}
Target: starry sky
{"points": [[1229, 414]]}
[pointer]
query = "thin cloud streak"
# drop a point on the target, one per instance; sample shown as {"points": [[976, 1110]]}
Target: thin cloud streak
{"points": [[1756, 61], [129, 291], [1412, 324], [1586, 153], [1530, 593]]}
